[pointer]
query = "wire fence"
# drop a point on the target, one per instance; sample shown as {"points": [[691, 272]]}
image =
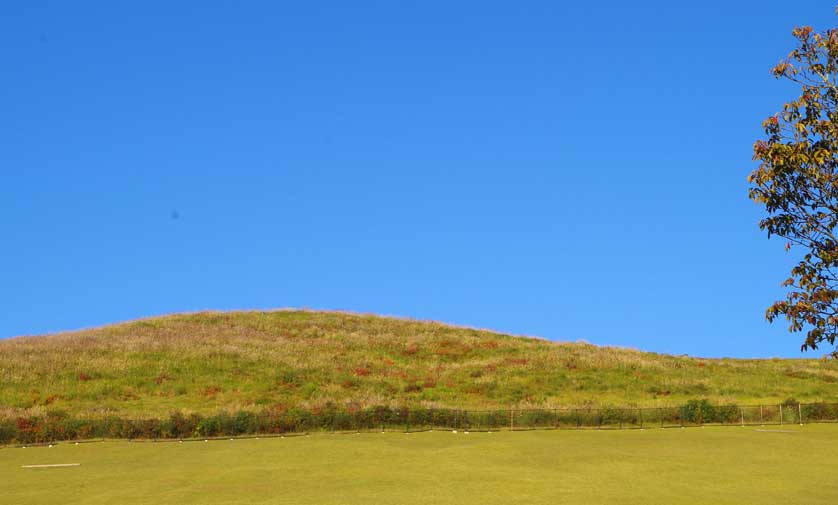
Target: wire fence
{"points": [[57, 427], [688, 415]]}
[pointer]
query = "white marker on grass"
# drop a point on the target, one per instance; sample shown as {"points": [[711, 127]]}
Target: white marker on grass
{"points": [[58, 465]]}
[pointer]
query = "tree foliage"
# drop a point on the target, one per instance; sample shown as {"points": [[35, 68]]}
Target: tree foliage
{"points": [[797, 183]]}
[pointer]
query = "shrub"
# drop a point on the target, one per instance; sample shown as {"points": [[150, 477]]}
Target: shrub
{"points": [[541, 418], [57, 425], [208, 427], [243, 423], [179, 426], [727, 414], [698, 411], [610, 416], [819, 412], [8, 431]]}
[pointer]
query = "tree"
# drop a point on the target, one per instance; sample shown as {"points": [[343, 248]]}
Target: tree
{"points": [[797, 183]]}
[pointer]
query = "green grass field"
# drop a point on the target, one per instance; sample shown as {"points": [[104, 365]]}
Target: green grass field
{"points": [[229, 361], [727, 465]]}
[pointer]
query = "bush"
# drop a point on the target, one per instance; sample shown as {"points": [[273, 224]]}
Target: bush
{"points": [[8, 431], [727, 414], [820, 412], [610, 416], [208, 427], [57, 425], [536, 418], [244, 423], [698, 412], [180, 426]]}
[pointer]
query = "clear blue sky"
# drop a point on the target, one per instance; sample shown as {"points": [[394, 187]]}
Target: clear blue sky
{"points": [[574, 170]]}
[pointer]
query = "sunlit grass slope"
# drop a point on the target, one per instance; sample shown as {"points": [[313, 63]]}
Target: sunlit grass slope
{"points": [[206, 362], [719, 466]]}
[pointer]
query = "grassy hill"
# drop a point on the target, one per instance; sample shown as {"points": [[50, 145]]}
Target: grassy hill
{"points": [[211, 361]]}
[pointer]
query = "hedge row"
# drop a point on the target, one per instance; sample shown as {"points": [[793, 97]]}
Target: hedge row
{"points": [[56, 426]]}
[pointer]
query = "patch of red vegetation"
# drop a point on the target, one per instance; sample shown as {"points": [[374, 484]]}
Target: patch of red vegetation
{"points": [[362, 371], [412, 388], [160, 379], [278, 407], [84, 377], [452, 348], [25, 424], [212, 391]]}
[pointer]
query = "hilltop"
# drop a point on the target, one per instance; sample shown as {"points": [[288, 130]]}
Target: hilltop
{"points": [[210, 361]]}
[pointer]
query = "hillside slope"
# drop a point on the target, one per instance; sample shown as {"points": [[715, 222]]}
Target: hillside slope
{"points": [[211, 361]]}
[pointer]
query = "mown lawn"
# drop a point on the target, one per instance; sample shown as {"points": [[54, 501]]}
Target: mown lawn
{"points": [[722, 465]]}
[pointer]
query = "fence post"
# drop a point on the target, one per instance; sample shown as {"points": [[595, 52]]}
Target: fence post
{"points": [[781, 414], [640, 411], [511, 419], [800, 414]]}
